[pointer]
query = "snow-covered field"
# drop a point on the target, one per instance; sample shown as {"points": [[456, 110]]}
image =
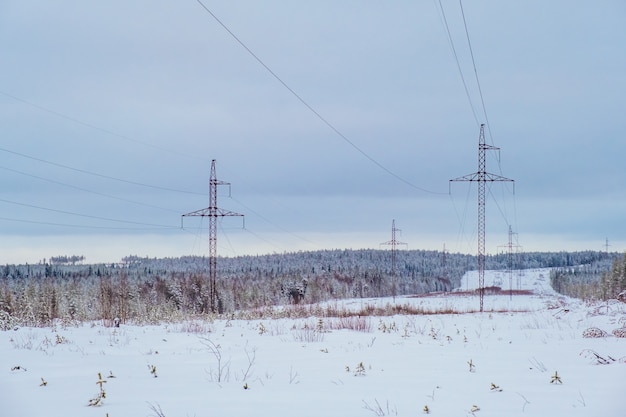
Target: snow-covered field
{"points": [[502, 362]]}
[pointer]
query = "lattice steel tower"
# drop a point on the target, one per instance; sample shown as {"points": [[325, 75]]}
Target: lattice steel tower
{"points": [[393, 243], [482, 177], [509, 263], [213, 212]]}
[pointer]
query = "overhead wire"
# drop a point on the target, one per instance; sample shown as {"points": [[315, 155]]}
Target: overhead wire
{"points": [[78, 226], [84, 215], [86, 190], [471, 51], [311, 108], [458, 63], [95, 174], [272, 223], [98, 128]]}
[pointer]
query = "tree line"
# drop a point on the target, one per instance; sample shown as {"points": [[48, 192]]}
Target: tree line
{"points": [[149, 290]]}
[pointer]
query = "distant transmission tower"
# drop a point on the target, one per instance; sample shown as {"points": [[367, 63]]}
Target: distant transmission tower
{"points": [[393, 243], [213, 212], [509, 263], [482, 177]]}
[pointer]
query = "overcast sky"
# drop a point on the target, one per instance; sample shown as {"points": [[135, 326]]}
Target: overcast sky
{"points": [[330, 120]]}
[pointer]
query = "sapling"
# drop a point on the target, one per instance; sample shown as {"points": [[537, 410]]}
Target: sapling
{"points": [[426, 410], [472, 367], [434, 334], [153, 370], [97, 400], [43, 383], [320, 325], [496, 388], [360, 369], [556, 379]]}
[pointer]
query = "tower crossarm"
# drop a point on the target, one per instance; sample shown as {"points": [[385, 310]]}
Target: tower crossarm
{"points": [[214, 212], [482, 176]]}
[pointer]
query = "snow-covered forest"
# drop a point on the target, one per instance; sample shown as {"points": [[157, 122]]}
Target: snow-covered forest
{"points": [[144, 290]]}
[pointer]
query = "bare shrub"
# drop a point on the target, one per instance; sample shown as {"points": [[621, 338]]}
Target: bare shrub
{"points": [[596, 358], [379, 410], [192, 326], [621, 332], [594, 332], [356, 323], [308, 334], [222, 372]]}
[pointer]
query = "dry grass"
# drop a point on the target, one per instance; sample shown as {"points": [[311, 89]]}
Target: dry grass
{"points": [[340, 311]]}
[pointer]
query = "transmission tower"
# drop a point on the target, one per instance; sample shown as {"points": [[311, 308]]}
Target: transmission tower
{"points": [[213, 212], [482, 177], [393, 243], [509, 264]]}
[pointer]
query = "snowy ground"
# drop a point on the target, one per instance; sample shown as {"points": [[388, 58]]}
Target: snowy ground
{"points": [[356, 366]]}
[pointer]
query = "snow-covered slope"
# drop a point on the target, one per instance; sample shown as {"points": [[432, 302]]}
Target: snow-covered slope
{"points": [[503, 362]]}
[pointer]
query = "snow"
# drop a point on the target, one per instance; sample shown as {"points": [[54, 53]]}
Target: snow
{"points": [[351, 366]]}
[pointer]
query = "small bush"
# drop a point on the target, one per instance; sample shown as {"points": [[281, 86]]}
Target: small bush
{"points": [[621, 332], [594, 333]]}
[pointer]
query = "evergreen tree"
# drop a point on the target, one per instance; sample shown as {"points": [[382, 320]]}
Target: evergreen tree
{"points": [[614, 281]]}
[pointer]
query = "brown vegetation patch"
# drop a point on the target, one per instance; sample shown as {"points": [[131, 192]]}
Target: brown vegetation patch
{"points": [[367, 310], [621, 332], [594, 332], [488, 291]]}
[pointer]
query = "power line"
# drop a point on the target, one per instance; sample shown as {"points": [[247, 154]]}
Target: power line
{"points": [[458, 64], [469, 44], [272, 223], [83, 215], [98, 128], [83, 171], [310, 108], [77, 225], [86, 190]]}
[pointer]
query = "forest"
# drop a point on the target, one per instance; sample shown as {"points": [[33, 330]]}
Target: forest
{"points": [[151, 290]]}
